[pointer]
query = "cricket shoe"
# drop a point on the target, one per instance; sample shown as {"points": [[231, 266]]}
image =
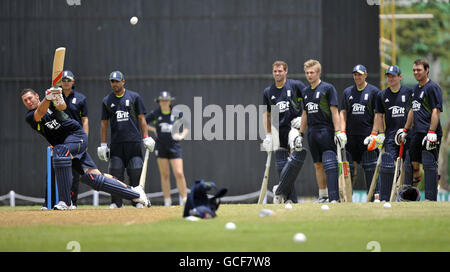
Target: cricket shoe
{"points": [[323, 199], [142, 196], [114, 206], [277, 199], [61, 206]]}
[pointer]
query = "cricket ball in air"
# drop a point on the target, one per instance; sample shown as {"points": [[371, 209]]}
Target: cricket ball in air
{"points": [[133, 20], [230, 226], [299, 237]]}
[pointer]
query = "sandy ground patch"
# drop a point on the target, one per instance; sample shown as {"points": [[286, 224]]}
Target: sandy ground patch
{"points": [[88, 216]]}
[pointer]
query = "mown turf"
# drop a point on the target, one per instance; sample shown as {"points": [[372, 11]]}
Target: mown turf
{"points": [[410, 227]]}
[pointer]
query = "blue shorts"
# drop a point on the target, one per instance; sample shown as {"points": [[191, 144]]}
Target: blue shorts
{"points": [[168, 152], [320, 140], [283, 136], [126, 151], [77, 143], [416, 147], [356, 147], [392, 148]]}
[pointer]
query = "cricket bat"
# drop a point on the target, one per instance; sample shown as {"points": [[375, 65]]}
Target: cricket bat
{"points": [[373, 183], [399, 173], [58, 66], [345, 184], [144, 169], [263, 191]]}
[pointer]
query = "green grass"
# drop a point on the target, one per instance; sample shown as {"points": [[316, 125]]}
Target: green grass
{"points": [[411, 227]]}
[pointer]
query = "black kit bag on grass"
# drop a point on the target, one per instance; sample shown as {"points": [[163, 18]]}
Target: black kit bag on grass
{"points": [[199, 204]]}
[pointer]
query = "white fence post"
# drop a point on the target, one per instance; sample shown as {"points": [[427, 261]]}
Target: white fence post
{"points": [[95, 198], [12, 198]]}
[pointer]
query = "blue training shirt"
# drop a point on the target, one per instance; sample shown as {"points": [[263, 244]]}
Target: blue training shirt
{"points": [[317, 102], [360, 107], [122, 113], [287, 98], [76, 105], [424, 100], [395, 107]]}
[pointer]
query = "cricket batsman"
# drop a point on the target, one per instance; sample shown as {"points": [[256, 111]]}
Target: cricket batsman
{"points": [[70, 144], [392, 108], [425, 141], [286, 95], [357, 121]]}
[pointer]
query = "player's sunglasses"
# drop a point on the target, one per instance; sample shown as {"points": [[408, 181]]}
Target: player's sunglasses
{"points": [[66, 80]]}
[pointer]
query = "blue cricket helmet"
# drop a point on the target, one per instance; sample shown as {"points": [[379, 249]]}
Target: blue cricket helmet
{"points": [[199, 204], [408, 193]]}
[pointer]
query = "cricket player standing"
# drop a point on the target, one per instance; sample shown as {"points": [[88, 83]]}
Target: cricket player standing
{"points": [[125, 111], [392, 109], [425, 141], [70, 144], [321, 117], [77, 109], [286, 95], [357, 121], [168, 149]]}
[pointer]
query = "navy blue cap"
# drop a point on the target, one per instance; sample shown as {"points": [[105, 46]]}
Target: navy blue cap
{"points": [[361, 69], [116, 75], [393, 70], [68, 74]]}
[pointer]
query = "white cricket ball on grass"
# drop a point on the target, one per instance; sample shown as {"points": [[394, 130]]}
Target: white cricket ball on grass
{"points": [[230, 226], [387, 205], [133, 20], [325, 207], [299, 238]]}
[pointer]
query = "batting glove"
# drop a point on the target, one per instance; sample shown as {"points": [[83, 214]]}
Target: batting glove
{"points": [[380, 140], [149, 143], [400, 136], [296, 122], [298, 142], [268, 142], [430, 141], [103, 152], [340, 138], [370, 141]]}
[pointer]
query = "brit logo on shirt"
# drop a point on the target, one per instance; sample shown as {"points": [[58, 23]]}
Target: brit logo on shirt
{"points": [[283, 106], [312, 107], [358, 108], [397, 111], [122, 116], [416, 105]]}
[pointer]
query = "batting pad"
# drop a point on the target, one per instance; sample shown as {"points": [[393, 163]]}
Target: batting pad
{"points": [[109, 185], [387, 169], [330, 165], [62, 163], [430, 170], [290, 172]]}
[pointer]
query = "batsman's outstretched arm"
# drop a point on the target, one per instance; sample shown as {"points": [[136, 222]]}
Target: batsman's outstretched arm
{"points": [[41, 110]]}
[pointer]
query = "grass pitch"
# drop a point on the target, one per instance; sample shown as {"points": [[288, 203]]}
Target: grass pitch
{"points": [[345, 227]]}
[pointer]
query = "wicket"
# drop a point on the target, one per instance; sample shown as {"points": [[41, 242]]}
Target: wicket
{"points": [[51, 176]]}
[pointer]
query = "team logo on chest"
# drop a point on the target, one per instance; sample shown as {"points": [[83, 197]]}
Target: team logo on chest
{"points": [[122, 116], [283, 106], [53, 124], [397, 111], [358, 108], [416, 105], [166, 127], [312, 107]]}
